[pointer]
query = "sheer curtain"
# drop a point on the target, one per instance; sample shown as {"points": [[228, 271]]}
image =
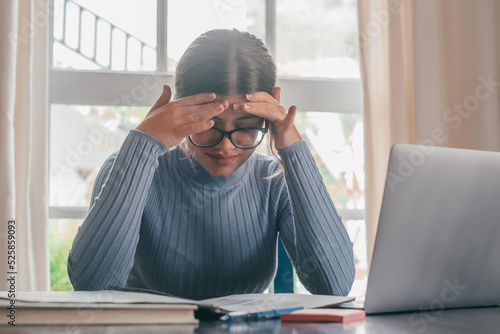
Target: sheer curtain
{"points": [[24, 141], [431, 75]]}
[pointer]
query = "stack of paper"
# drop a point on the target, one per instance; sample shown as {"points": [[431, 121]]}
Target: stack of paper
{"points": [[120, 307]]}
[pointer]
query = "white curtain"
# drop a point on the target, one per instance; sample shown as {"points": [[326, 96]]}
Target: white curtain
{"points": [[24, 142], [431, 75]]}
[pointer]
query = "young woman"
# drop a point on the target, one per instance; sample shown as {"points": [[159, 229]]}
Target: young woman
{"points": [[186, 207]]}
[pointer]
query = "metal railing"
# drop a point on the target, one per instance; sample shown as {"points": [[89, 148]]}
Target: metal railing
{"points": [[100, 25]]}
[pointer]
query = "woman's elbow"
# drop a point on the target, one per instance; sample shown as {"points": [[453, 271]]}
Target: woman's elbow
{"points": [[346, 287], [76, 283], [337, 283], [78, 280], [349, 273]]}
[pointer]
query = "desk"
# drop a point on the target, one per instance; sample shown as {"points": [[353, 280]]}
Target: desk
{"points": [[477, 320]]}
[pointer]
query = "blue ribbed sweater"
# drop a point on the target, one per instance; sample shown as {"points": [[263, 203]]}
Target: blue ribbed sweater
{"points": [[156, 222]]}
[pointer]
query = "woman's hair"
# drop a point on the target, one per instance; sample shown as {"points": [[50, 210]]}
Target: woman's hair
{"points": [[226, 62]]}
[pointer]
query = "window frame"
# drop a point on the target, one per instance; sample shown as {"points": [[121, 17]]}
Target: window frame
{"points": [[143, 88]]}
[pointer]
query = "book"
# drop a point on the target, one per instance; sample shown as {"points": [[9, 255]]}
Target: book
{"points": [[125, 307], [96, 308], [324, 315]]}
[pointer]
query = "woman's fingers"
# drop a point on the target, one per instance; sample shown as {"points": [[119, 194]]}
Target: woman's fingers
{"points": [[271, 111], [196, 99], [266, 106], [287, 134], [290, 116], [277, 93], [199, 113], [171, 121], [164, 98], [262, 97], [198, 108], [193, 128]]}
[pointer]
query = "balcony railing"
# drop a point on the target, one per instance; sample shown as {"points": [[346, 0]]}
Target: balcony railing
{"points": [[111, 45]]}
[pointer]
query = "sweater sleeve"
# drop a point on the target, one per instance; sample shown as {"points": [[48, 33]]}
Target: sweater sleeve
{"points": [[104, 247], [311, 229]]}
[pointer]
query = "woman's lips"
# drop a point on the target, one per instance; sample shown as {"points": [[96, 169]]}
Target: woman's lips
{"points": [[221, 159]]}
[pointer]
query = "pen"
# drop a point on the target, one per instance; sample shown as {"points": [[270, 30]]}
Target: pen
{"points": [[251, 316]]}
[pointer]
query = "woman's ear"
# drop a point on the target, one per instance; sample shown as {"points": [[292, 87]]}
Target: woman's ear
{"points": [[276, 93]]}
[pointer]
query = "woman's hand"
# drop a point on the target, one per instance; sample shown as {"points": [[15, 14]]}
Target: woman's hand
{"points": [[266, 106], [171, 122]]}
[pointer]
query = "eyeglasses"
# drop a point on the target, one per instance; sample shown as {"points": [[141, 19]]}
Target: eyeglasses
{"points": [[245, 138]]}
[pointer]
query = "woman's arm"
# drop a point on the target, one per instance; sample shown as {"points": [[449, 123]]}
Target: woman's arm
{"points": [[314, 235], [104, 247], [103, 250]]}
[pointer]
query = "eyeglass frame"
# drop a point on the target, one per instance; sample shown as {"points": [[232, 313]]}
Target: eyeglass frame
{"points": [[228, 134]]}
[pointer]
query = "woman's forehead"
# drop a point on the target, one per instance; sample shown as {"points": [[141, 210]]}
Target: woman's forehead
{"points": [[231, 115], [231, 98]]}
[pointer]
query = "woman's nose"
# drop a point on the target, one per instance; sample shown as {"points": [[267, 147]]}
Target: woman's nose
{"points": [[225, 144]]}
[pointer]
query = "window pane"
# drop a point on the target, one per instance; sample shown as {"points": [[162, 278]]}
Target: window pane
{"points": [[336, 142], [113, 35], [61, 235], [357, 232], [206, 15], [317, 38], [81, 139]]}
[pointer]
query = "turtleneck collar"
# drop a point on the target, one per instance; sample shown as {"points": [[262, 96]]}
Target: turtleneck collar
{"points": [[195, 172]]}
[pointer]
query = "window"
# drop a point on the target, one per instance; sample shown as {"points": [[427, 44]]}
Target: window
{"points": [[109, 62]]}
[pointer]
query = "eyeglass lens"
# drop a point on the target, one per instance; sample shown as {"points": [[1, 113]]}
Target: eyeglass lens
{"points": [[244, 138]]}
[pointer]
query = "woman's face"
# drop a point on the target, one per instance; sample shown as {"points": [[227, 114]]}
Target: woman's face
{"points": [[224, 158]]}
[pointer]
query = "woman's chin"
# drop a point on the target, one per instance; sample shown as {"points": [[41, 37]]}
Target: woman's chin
{"points": [[221, 171]]}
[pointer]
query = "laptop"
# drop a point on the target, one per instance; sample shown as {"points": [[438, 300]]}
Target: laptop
{"points": [[438, 238]]}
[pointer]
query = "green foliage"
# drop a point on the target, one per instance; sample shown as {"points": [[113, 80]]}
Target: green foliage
{"points": [[59, 246]]}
